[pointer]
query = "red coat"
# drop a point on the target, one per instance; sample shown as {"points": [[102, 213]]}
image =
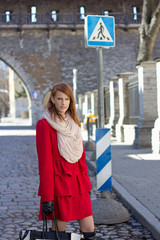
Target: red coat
{"points": [[65, 183]]}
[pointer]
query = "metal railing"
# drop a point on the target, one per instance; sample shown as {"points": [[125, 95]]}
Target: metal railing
{"points": [[126, 18], [120, 18]]}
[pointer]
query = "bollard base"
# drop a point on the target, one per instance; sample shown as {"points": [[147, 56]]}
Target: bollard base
{"points": [[109, 211]]}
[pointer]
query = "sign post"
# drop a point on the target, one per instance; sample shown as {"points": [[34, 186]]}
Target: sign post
{"points": [[100, 33], [100, 87]]}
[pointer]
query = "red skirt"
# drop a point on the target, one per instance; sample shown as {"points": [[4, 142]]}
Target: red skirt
{"points": [[71, 208], [72, 200]]}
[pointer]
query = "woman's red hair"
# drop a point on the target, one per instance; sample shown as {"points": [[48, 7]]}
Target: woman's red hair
{"points": [[65, 88]]}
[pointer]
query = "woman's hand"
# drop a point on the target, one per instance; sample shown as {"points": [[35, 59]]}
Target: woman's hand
{"points": [[47, 208]]}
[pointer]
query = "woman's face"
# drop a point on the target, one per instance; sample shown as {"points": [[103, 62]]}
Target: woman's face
{"points": [[61, 101]]}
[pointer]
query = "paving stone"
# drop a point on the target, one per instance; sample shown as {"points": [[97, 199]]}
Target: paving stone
{"points": [[99, 234], [105, 237], [19, 203]]}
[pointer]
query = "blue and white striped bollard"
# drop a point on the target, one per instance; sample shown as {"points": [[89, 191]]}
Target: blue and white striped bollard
{"points": [[103, 158]]}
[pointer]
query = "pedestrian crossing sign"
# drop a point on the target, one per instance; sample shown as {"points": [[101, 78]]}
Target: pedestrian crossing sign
{"points": [[99, 31]]}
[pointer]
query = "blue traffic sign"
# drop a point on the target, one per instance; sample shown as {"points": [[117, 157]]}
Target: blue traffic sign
{"points": [[35, 94], [99, 31]]}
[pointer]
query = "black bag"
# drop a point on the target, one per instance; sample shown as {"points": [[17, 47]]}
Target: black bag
{"points": [[38, 235], [50, 235]]}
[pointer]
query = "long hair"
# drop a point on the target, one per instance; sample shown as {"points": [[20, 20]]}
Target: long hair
{"points": [[65, 88]]}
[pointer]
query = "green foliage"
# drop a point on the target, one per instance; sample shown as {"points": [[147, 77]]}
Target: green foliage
{"points": [[21, 93]]}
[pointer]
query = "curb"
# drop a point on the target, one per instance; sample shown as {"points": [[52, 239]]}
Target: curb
{"points": [[141, 213]]}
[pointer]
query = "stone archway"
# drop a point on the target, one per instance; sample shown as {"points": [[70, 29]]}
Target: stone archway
{"points": [[12, 73]]}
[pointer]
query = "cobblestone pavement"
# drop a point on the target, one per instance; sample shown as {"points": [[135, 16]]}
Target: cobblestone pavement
{"points": [[19, 202]]}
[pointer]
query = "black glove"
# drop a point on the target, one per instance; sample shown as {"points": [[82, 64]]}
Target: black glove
{"points": [[47, 208]]}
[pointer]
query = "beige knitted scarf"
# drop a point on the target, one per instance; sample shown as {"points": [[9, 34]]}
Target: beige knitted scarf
{"points": [[69, 137]]}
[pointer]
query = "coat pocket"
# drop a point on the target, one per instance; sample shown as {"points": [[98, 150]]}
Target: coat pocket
{"points": [[63, 185]]}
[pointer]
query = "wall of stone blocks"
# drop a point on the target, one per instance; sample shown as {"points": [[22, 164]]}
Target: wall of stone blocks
{"points": [[41, 59]]}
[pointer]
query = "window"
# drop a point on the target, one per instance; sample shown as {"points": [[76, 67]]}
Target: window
{"points": [[106, 13], [33, 14], [54, 15], [82, 12], [135, 13], [8, 16]]}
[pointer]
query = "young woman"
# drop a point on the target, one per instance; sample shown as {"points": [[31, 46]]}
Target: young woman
{"points": [[64, 182]]}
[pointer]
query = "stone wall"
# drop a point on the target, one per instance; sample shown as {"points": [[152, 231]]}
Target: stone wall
{"points": [[40, 62]]}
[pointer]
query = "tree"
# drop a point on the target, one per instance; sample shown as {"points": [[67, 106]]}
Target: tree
{"points": [[149, 29]]}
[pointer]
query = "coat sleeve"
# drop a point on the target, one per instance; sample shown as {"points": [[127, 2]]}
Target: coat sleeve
{"points": [[45, 161]]}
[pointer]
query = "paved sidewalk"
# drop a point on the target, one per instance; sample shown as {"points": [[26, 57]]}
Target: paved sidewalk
{"points": [[19, 202], [136, 179]]}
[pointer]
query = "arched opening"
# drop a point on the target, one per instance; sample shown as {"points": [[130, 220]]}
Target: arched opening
{"points": [[15, 100]]}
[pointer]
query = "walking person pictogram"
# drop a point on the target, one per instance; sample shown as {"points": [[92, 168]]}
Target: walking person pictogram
{"points": [[101, 30]]}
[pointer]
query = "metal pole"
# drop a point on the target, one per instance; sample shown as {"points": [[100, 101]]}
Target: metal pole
{"points": [[100, 95], [100, 87], [75, 84]]}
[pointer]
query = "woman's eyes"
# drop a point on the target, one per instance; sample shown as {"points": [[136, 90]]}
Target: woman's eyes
{"points": [[67, 99]]}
